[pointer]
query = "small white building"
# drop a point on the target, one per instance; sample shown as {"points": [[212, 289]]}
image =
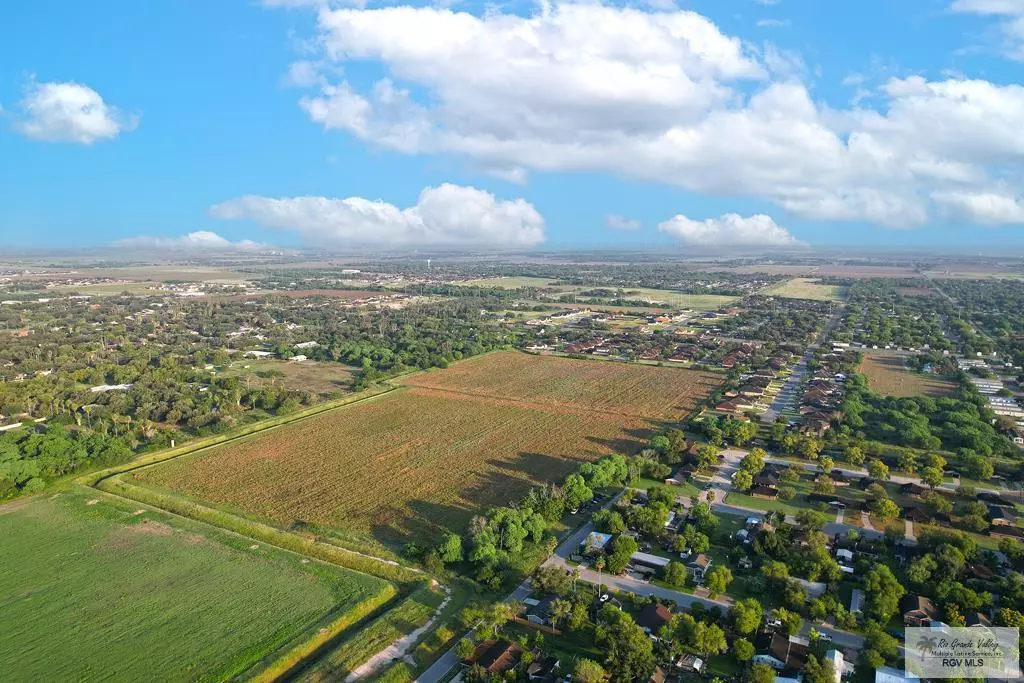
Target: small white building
{"points": [[887, 674]]}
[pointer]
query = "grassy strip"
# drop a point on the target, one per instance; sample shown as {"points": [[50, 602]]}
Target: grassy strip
{"points": [[297, 655], [396, 673], [449, 627], [385, 569], [403, 618]]}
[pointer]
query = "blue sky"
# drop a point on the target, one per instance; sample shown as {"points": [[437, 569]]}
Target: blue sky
{"points": [[835, 123]]}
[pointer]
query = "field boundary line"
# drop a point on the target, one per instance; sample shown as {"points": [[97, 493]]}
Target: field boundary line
{"points": [[389, 570]]}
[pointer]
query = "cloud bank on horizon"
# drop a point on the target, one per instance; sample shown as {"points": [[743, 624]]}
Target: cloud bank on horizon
{"points": [[197, 241], [447, 215]]}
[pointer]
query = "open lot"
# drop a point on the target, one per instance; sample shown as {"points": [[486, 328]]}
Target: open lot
{"points": [[302, 293], [889, 375], [510, 282], [96, 590], [409, 464], [322, 379], [806, 288]]}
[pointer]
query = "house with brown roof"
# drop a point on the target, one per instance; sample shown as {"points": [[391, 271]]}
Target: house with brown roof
{"points": [[782, 653], [765, 492], [653, 617], [698, 566], [1005, 531], [916, 515], [981, 572], [497, 656], [918, 610], [734, 405], [677, 478], [914, 490]]}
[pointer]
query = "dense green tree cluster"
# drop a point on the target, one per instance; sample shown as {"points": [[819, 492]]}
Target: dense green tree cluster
{"points": [[32, 457], [962, 423]]}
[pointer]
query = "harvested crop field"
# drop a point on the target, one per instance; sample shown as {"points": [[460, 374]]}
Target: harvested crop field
{"points": [[425, 458], [96, 590], [889, 375], [565, 383]]}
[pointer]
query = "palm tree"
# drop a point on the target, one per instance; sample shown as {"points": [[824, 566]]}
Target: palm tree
{"points": [[560, 610], [599, 565]]}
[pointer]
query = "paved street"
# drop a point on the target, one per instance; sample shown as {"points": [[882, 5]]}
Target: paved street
{"points": [[789, 395]]}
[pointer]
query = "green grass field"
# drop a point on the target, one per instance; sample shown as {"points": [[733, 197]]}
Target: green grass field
{"points": [[94, 589], [508, 282], [806, 288]]}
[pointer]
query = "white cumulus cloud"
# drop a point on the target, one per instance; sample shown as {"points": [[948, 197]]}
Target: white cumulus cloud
{"points": [[615, 221], [986, 208], [447, 215], [199, 241], [731, 230], [70, 112], [665, 97], [1011, 21]]}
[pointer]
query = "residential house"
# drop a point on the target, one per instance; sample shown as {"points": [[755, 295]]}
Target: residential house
{"points": [[839, 478], [914, 490], [653, 617], [856, 601], [689, 663], [544, 669], [1006, 531], [658, 675], [540, 613], [782, 653], [1000, 516], [978, 620], [765, 492], [677, 478], [981, 572], [918, 610], [734, 406], [768, 477], [698, 567], [497, 656], [916, 515], [647, 564], [887, 674], [595, 542], [838, 663]]}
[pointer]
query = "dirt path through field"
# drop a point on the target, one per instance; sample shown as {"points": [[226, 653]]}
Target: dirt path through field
{"points": [[398, 649]]}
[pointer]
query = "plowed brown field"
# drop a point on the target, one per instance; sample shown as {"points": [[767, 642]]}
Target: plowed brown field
{"points": [[409, 464]]}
